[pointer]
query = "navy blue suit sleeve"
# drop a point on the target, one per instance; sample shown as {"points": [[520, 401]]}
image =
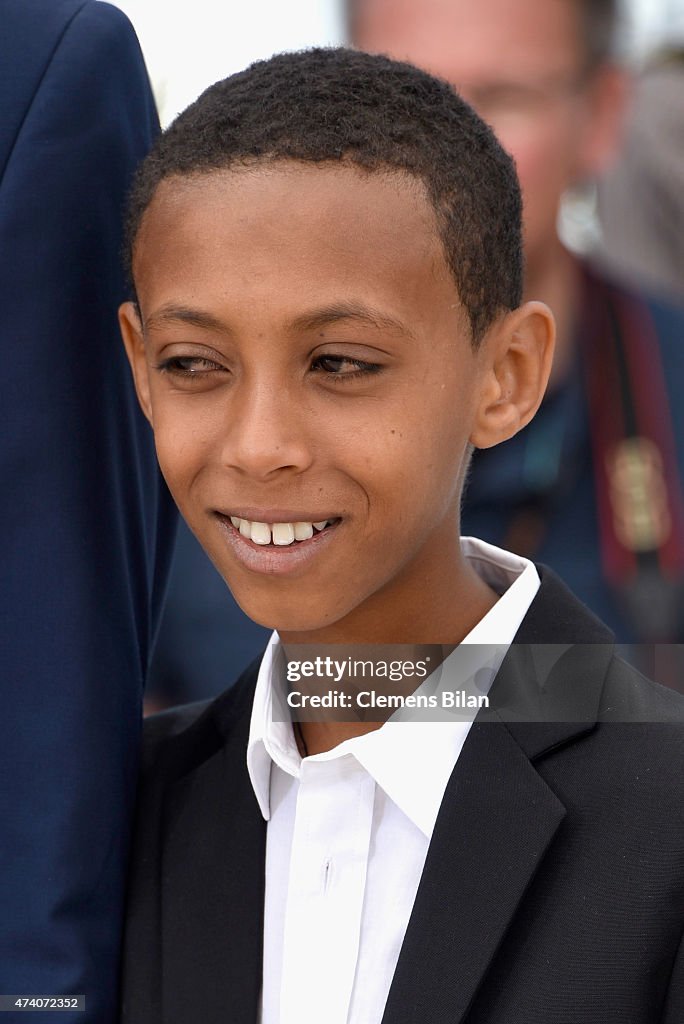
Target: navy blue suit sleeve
{"points": [[86, 522]]}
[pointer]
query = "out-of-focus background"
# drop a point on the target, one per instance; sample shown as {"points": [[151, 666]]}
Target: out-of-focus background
{"points": [[188, 44]]}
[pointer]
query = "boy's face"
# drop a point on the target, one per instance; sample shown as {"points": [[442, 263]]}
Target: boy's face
{"points": [[329, 375]]}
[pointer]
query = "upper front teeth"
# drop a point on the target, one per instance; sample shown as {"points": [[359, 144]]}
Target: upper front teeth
{"points": [[283, 534]]}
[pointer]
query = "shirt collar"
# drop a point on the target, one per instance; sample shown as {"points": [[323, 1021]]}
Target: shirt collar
{"points": [[416, 783]]}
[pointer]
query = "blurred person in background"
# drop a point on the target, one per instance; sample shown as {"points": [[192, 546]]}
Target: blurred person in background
{"points": [[87, 523], [593, 486]]}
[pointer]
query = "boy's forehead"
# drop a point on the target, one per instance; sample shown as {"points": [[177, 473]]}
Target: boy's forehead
{"points": [[260, 187], [289, 220]]}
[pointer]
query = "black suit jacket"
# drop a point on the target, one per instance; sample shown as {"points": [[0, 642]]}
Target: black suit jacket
{"points": [[553, 890]]}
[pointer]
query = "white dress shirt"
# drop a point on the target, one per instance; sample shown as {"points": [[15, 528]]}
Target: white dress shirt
{"points": [[349, 829]]}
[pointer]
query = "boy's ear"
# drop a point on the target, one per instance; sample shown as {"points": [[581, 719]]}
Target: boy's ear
{"points": [[517, 354], [134, 343]]}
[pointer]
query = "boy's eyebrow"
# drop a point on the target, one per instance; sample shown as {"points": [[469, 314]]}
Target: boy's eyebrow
{"points": [[194, 317], [316, 319], [354, 311]]}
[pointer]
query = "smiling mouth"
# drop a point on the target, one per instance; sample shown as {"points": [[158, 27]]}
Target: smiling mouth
{"points": [[278, 535]]}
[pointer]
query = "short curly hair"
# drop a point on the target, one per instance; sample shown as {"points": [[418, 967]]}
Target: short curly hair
{"points": [[338, 105]]}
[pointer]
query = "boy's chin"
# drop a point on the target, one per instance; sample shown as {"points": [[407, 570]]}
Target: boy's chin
{"points": [[307, 617]]}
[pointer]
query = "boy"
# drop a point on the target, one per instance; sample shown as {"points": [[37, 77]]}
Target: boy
{"points": [[327, 261]]}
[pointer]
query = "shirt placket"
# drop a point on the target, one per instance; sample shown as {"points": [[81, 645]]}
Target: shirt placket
{"points": [[328, 866]]}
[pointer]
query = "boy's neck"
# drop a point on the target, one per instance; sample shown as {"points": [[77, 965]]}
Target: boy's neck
{"points": [[444, 621], [442, 610]]}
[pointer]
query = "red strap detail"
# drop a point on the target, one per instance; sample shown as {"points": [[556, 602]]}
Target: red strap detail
{"points": [[653, 416], [606, 426], [650, 408]]}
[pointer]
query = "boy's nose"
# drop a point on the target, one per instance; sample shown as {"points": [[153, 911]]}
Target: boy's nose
{"points": [[266, 432]]}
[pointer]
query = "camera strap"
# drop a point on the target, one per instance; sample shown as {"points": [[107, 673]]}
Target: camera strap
{"points": [[638, 484]]}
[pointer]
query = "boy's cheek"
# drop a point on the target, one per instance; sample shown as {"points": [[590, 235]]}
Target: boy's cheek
{"points": [[176, 461]]}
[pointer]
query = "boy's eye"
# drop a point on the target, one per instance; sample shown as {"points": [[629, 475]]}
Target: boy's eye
{"points": [[333, 367], [188, 366], [344, 366]]}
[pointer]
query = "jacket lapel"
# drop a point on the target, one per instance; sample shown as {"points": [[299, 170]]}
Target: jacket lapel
{"points": [[498, 816], [213, 891], [497, 819]]}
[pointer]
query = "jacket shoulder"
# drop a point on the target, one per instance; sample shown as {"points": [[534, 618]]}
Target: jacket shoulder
{"points": [[176, 740], [630, 697]]}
